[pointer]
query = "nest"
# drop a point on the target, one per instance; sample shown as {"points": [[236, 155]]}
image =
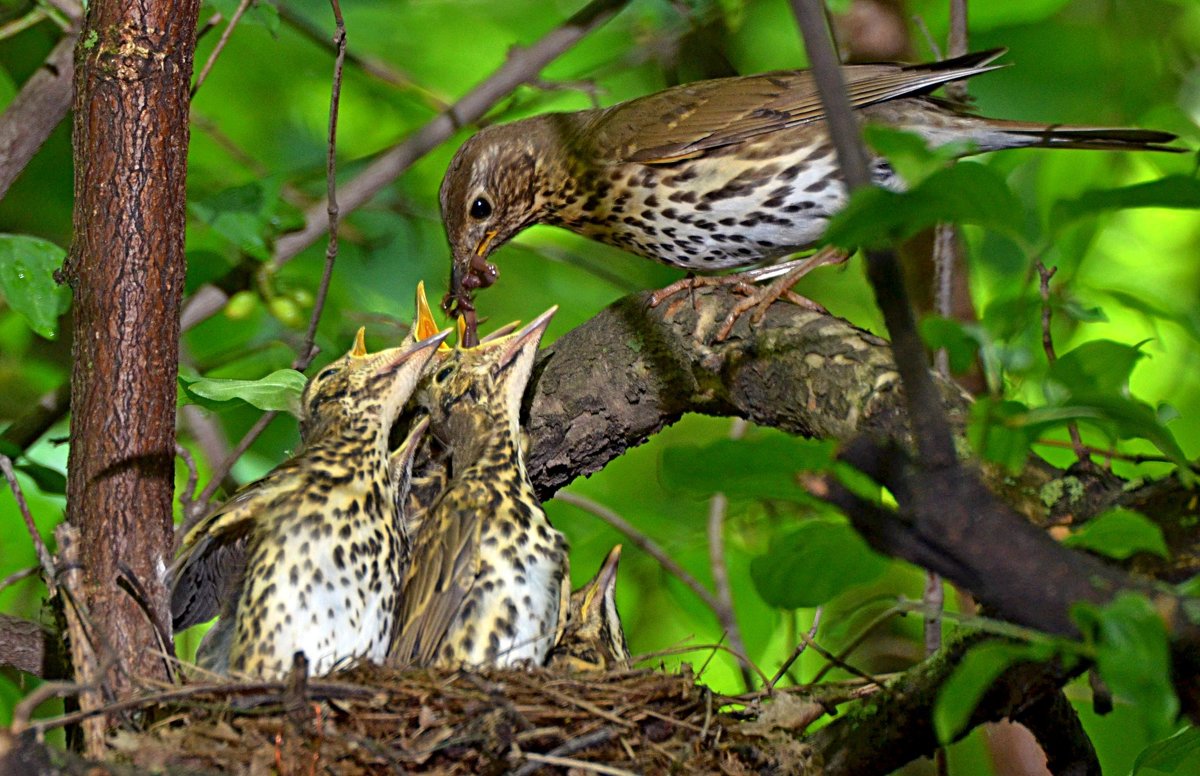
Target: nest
{"points": [[374, 720]]}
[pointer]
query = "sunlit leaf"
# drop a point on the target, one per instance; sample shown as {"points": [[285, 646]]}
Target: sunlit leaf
{"points": [[1132, 654], [814, 562], [960, 345], [1119, 533], [1178, 754], [27, 266], [1099, 366], [279, 391], [966, 193], [48, 480], [996, 434], [761, 468], [1174, 191], [261, 12], [978, 670], [243, 215]]}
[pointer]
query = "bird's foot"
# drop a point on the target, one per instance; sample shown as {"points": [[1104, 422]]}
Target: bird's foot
{"points": [[758, 298]]}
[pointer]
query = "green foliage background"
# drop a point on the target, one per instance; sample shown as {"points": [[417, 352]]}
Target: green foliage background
{"points": [[257, 156]]}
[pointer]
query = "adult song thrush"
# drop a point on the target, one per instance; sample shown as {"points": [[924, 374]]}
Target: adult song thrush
{"points": [[320, 537], [718, 174], [488, 580], [592, 638]]}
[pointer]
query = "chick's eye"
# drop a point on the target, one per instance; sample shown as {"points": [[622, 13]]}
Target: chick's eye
{"points": [[442, 375], [328, 373], [481, 208]]}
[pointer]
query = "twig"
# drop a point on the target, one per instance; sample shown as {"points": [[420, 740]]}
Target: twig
{"points": [[522, 65], [1111, 453], [371, 66], [83, 654], [797, 652], [854, 643], [37, 109], [681, 650], [23, 23], [216, 52], [307, 351], [1044, 276], [603, 735], [17, 576], [644, 543], [956, 46], [187, 498], [23, 711], [716, 559], [227, 465], [40, 546], [567, 762]]}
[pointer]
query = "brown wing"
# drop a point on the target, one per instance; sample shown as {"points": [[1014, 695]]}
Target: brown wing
{"points": [[444, 568], [688, 120], [213, 554]]}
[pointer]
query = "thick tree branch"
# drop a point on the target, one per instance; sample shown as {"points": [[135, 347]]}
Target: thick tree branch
{"points": [[37, 109], [898, 722], [127, 269]]}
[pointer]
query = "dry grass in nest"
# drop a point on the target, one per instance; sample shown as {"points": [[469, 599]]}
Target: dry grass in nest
{"points": [[375, 720]]}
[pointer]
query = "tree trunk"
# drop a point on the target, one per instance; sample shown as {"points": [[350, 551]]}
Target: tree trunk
{"points": [[133, 68]]}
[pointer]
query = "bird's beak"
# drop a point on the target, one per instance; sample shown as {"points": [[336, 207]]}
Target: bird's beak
{"points": [[482, 251], [425, 325], [608, 572], [418, 355], [532, 332]]}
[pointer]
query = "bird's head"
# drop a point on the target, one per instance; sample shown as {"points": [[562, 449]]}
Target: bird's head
{"points": [[489, 194], [362, 392], [484, 384], [593, 639]]}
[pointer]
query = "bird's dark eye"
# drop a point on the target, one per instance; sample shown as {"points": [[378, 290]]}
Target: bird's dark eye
{"points": [[441, 376], [328, 373], [481, 208]]}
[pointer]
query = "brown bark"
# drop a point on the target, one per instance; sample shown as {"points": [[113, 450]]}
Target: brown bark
{"points": [[133, 68]]}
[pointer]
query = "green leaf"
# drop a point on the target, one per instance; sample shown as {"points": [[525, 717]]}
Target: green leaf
{"points": [[1097, 367], [764, 467], [1174, 191], [48, 480], [27, 266], [262, 12], [909, 154], [1119, 533], [997, 434], [1166, 756], [278, 391], [978, 670], [813, 563], [1133, 656], [960, 343], [243, 215], [966, 193]]}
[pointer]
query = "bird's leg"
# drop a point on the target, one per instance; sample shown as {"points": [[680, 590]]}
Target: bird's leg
{"points": [[760, 298]]}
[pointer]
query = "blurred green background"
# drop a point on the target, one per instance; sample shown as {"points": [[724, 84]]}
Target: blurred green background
{"points": [[257, 159]]}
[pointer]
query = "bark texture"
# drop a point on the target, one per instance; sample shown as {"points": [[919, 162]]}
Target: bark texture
{"points": [[133, 67]]}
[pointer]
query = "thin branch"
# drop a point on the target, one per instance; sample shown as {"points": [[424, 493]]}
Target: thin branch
{"points": [[43, 554], [226, 466], [38, 108], [798, 651], [930, 428], [956, 46], [644, 543], [307, 351], [720, 572], [1044, 276], [521, 66], [187, 498], [216, 52], [373, 67]]}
